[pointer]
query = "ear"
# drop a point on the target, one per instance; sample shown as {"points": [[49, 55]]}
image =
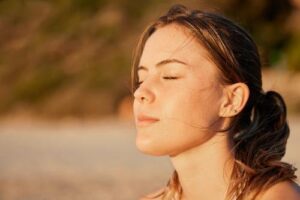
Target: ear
{"points": [[234, 99]]}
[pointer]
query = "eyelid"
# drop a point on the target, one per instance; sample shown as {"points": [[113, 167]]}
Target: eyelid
{"points": [[164, 77], [170, 77]]}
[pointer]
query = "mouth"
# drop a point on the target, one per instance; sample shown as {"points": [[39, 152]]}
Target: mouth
{"points": [[143, 120]]}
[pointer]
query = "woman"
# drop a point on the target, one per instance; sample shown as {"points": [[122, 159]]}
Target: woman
{"points": [[198, 98]]}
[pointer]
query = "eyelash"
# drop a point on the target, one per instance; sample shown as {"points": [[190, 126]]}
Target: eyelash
{"points": [[165, 77]]}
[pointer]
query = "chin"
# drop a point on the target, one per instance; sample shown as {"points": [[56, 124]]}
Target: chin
{"points": [[149, 149]]}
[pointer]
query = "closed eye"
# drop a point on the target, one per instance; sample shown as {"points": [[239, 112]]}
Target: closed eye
{"points": [[165, 77], [170, 77]]}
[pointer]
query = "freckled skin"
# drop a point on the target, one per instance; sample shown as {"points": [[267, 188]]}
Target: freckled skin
{"points": [[187, 107]]}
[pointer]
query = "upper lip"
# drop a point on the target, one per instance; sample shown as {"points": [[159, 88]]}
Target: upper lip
{"points": [[142, 117]]}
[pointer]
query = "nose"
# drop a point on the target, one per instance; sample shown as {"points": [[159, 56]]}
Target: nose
{"points": [[144, 94]]}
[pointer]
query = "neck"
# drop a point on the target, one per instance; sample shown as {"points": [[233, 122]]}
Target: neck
{"points": [[204, 171]]}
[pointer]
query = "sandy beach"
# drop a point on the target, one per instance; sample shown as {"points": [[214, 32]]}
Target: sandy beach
{"points": [[94, 160]]}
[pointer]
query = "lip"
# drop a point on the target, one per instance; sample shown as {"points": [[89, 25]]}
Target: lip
{"points": [[144, 120]]}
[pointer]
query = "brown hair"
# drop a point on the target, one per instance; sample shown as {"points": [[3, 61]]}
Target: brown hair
{"points": [[260, 131]]}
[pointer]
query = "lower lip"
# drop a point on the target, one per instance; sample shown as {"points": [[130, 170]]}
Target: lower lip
{"points": [[146, 122]]}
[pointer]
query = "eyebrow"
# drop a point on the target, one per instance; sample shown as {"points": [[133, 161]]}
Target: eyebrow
{"points": [[163, 62]]}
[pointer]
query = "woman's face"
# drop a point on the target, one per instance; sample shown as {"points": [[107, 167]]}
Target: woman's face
{"points": [[176, 107]]}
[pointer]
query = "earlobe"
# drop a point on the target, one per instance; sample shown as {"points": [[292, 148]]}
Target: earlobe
{"points": [[234, 99]]}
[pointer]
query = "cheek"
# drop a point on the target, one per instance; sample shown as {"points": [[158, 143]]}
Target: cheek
{"points": [[186, 121], [195, 108]]}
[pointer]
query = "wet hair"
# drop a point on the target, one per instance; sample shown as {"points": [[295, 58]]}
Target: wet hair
{"points": [[260, 131]]}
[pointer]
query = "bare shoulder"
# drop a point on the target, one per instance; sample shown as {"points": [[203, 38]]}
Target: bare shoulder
{"points": [[153, 195], [283, 190]]}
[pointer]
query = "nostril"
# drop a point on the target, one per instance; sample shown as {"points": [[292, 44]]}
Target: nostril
{"points": [[143, 98], [143, 95]]}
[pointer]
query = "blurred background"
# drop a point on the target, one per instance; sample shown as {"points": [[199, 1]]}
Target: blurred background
{"points": [[66, 128]]}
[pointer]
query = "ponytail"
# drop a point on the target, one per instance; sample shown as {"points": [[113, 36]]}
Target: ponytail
{"points": [[260, 146]]}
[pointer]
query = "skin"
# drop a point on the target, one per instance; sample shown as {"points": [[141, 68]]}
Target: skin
{"points": [[191, 107], [283, 190]]}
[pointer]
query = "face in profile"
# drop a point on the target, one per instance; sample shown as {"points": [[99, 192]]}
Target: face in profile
{"points": [[176, 105]]}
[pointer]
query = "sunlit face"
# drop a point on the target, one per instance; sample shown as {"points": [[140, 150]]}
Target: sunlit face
{"points": [[180, 89]]}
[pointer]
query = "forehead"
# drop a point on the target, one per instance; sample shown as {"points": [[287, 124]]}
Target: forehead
{"points": [[172, 41]]}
